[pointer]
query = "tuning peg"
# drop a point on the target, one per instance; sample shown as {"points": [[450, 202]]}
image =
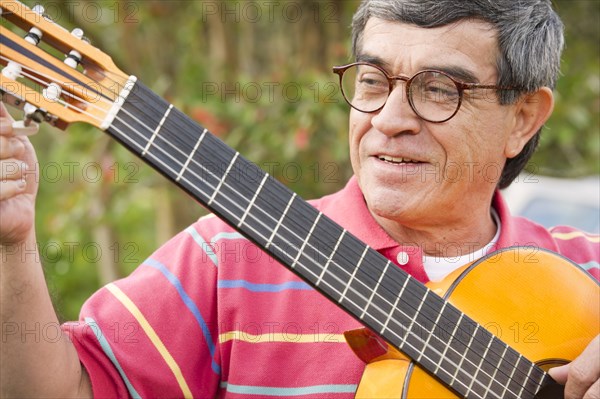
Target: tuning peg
{"points": [[74, 57], [34, 36], [77, 32], [38, 9], [52, 92]]}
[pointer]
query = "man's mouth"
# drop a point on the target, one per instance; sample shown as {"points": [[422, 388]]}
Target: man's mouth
{"points": [[396, 160]]}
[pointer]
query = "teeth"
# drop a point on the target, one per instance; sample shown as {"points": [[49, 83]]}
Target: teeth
{"points": [[388, 158]]}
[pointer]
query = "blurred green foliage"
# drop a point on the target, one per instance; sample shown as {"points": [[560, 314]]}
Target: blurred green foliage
{"points": [[258, 75]]}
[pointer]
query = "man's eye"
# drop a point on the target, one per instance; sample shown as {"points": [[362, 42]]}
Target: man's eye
{"points": [[372, 81], [438, 91]]}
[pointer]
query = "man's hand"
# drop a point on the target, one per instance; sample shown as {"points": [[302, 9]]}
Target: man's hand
{"points": [[18, 183], [581, 377]]}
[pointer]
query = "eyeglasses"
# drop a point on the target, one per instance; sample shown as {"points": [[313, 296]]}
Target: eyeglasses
{"points": [[433, 95]]}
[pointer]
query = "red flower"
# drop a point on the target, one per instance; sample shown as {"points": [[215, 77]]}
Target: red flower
{"points": [[209, 120]]}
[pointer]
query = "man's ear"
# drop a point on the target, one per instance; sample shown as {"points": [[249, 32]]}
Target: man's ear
{"points": [[532, 111]]}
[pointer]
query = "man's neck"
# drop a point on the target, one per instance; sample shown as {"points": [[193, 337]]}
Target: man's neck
{"points": [[447, 239]]}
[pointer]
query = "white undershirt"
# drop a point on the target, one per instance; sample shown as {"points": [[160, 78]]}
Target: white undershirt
{"points": [[437, 268]]}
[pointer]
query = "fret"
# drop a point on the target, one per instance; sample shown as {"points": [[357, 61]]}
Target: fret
{"points": [[449, 344], [353, 276], [478, 370], [427, 324], [157, 130], [478, 367], [121, 130], [394, 306], [320, 251], [174, 144], [520, 380], [294, 234], [337, 244], [377, 285], [283, 215], [509, 366], [540, 379], [310, 232], [404, 316], [484, 350], [342, 274], [187, 162], [212, 198], [331, 274], [271, 198], [143, 110], [251, 203], [494, 375], [432, 333], [354, 261], [511, 378], [527, 381], [495, 366], [383, 292], [462, 359], [411, 326]]}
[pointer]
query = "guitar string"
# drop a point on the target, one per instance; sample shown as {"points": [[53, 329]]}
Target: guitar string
{"points": [[356, 292], [305, 267], [269, 216], [233, 203], [332, 287], [50, 78], [67, 94]]}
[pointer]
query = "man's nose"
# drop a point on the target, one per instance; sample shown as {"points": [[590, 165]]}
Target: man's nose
{"points": [[397, 116]]}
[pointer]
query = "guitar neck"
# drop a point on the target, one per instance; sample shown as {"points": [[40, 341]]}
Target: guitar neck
{"points": [[410, 317]]}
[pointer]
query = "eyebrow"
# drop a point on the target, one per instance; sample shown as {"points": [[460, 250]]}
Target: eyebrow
{"points": [[458, 72], [373, 59]]}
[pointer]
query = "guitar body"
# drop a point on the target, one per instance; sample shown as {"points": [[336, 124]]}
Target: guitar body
{"points": [[541, 304]]}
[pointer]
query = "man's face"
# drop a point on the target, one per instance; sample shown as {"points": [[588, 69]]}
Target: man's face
{"points": [[452, 167]]}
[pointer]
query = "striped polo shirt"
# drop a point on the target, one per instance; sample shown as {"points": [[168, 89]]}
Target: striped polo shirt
{"points": [[209, 315]]}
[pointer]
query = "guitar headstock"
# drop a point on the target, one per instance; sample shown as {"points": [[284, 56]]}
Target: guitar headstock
{"points": [[66, 81]]}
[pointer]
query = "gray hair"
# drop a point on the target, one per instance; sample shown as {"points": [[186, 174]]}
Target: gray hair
{"points": [[530, 41]]}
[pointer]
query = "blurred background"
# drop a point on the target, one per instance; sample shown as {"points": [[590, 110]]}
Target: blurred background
{"points": [[257, 74]]}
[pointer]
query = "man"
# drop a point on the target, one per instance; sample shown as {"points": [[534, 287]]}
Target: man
{"points": [[224, 320]]}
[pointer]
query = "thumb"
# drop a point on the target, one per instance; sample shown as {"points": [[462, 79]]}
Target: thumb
{"points": [[559, 374]]}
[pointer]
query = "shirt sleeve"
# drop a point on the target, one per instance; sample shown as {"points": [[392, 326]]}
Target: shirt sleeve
{"points": [[155, 333], [581, 247]]}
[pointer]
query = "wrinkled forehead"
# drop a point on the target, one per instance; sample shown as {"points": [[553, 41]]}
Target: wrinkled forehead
{"points": [[402, 47]]}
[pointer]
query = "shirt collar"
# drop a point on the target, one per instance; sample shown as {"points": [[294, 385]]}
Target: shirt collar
{"points": [[348, 208], [507, 231]]}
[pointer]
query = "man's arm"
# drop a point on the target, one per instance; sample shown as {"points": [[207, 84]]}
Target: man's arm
{"points": [[30, 365]]}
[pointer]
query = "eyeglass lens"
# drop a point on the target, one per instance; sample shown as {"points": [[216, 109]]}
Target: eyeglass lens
{"points": [[432, 95]]}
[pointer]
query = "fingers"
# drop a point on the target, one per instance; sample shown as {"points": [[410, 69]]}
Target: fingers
{"points": [[593, 392], [582, 375], [6, 121], [12, 188], [11, 147], [12, 178], [560, 374], [12, 150]]}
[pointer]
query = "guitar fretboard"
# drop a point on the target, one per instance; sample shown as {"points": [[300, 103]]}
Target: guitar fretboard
{"points": [[435, 334]]}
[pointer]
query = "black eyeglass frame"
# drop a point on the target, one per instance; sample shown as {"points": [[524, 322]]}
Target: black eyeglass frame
{"points": [[460, 86]]}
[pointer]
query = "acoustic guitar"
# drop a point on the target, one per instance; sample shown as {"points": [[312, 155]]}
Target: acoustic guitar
{"points": [[452, 336]]}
